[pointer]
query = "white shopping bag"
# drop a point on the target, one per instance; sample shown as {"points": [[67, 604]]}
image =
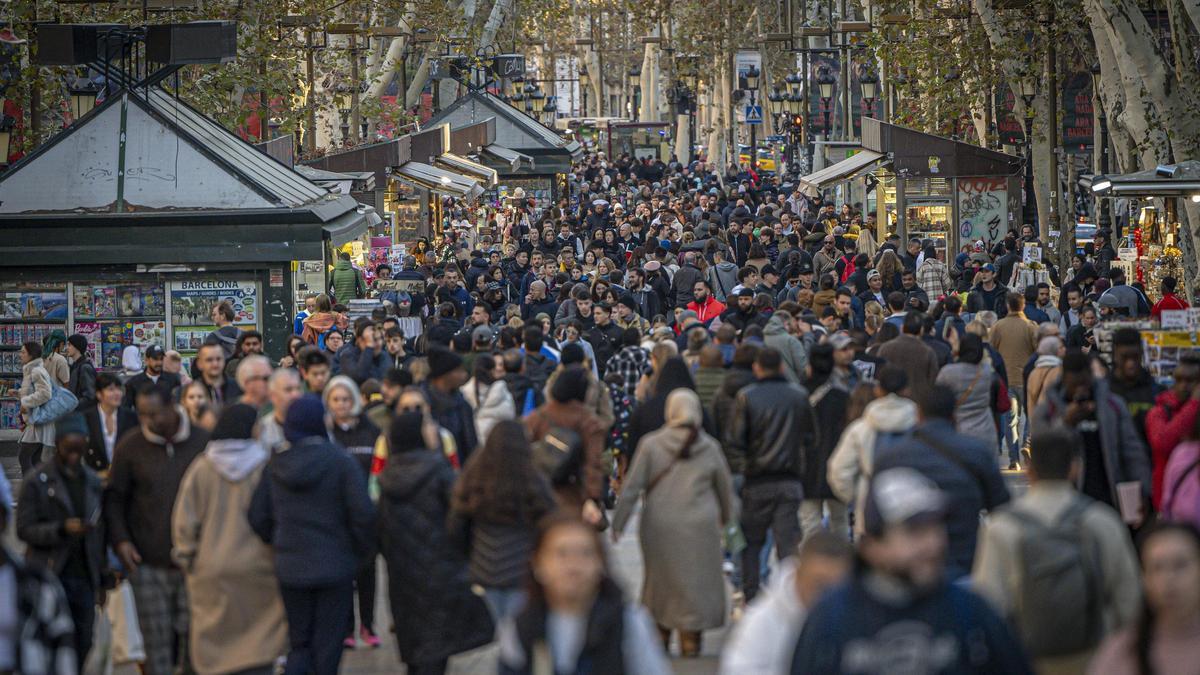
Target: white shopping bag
{"points": [[127, 644], [99, 660]]}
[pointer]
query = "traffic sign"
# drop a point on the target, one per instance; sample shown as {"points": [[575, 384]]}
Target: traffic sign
{"points": [[754, 114]]}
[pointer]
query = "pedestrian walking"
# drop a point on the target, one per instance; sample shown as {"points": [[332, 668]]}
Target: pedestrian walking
{"points": [[680, 474], [82, 378], [763, 641], [1058, 565], [828, 399], [107, 422], [236, 617], [488, 395], [974, 387], [898, 613], [565, 410], [576, 619], [37, 386], [1166, 636], [147, 469], [434, 612], [497, 503], [58, 518], [357, 434], [771, 432], [312, 507]]}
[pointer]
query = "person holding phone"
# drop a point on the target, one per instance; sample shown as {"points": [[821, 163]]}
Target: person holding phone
{"points": [[58, 518]]}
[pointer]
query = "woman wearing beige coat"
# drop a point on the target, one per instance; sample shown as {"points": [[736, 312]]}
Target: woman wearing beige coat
{"points": [[36, 389], [237, 618]]}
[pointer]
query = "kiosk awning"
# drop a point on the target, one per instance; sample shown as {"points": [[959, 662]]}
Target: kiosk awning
{"points": [[512, 157], [462, 165], [439, 180], [843, 169]]}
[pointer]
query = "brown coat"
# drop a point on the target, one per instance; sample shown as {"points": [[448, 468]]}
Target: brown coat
{"points": [[321, 322], [1040, 379], [1015, 337], [576, 417]]}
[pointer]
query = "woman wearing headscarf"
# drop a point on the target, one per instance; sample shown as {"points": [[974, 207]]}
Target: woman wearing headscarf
{"points": [[433, 609], [56, 364], [237, 620], [681, 474]]}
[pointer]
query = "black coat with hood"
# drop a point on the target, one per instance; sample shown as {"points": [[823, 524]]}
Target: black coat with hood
{"points": [[435, 613], [312, 507]]}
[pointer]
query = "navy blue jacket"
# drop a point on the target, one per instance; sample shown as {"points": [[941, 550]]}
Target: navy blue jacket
{"points": [[312, 507], [949, 630], [361, 365], [972, 485]]}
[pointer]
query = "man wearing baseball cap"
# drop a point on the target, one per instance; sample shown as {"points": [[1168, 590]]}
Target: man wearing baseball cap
{"points": [[898, 613], [988, 294], [153, 374]]}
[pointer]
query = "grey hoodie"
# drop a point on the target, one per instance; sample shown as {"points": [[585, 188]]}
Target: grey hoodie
{"points": [[795, 355], [723, 278]]}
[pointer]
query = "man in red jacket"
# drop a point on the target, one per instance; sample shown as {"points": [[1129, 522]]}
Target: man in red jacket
{"points": [[1169, 300], [704, 304], [1172, 419]]}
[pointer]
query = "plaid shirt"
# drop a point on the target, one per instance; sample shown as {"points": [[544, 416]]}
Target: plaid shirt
{"points": [[630, 363], [934, 279]]}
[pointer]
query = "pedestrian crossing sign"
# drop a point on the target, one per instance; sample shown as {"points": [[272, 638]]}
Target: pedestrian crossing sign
{"points": [[754, 114]]}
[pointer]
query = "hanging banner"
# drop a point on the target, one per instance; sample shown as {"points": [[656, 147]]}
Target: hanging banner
{"points": [[1077, 118], [982, 210], [1009, 128]]}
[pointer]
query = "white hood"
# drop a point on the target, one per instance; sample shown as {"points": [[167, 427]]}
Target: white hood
{"points": [[891, 413], [235, 458]]}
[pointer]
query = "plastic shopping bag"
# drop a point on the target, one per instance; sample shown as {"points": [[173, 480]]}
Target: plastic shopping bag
{"points": [[127, 645]]}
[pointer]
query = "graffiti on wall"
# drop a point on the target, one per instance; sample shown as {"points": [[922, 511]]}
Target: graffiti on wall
{"points": [[982, 209]]}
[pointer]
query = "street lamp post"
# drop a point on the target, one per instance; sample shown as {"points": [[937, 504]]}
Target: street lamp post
{"points": [[826, 87], [635, 81], [752, 75], [869, 82], [83, 97], [585, 81], [798, 113], [1029, 212]]}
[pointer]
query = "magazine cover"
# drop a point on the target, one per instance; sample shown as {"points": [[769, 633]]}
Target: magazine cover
{"points": [[104, 303], [148, 332], [112, 355], [90, 330], [83, 301], [153, 301], [129, 300], [183, 341]]}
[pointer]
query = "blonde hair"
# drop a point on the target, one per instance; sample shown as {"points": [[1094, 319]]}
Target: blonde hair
{"points": [[979, 328], [349, 385]]}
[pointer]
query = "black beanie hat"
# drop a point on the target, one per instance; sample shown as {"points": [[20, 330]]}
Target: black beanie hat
{"points": [[442, 361], [78, 342], [405, 433], [236, 421]]}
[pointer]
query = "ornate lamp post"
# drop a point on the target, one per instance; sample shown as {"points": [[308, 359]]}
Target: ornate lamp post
{"points": [[635, 80], [826, 87], [1028, 92], [585, 81]]}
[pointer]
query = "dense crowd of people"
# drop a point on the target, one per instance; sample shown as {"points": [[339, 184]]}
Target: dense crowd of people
{"points": [[782, 401]]}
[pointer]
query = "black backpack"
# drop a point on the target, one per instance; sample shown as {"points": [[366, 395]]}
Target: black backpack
{"points": [[559, 457]]}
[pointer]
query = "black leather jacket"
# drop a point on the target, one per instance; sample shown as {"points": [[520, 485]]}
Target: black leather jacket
{"points": [[772, 430]]}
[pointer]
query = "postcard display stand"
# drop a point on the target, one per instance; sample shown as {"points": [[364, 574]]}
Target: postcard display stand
{"points": [[174, 315], [28, 311]]}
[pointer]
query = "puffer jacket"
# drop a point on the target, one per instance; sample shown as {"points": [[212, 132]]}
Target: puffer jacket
{"points": [[772, 430], [795, 356], [492, 403], [853, 461], [345, 282], [435, 613]]}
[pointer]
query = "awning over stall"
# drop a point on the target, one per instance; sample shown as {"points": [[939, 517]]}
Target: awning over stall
{"points": [[1174, 180], [439, 180], [512, 157], [452, 162], [844, 169]]}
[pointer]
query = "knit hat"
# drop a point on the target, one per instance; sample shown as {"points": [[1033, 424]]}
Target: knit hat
{"points": [[570, 385], [628, 301], [236, 421], [442, 361], [78, 342], [71, 425], [305, 418], [405, 433]]}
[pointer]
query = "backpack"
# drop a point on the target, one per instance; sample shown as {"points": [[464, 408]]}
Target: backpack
{"points": [[559, 457], [1058, 606], [1181, 486]]}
